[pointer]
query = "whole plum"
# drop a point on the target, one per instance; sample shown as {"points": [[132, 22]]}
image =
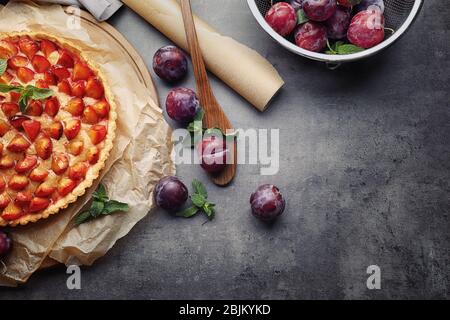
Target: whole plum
{"points": [[319, 10], [311, 36], [170, 193], [366, 29], [282, 17], [338, 24], [170, 64], [182, 105], [267, 203], [213, 152]]}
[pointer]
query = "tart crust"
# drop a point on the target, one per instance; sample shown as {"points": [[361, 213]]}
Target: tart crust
{"points": [[94, 170]]}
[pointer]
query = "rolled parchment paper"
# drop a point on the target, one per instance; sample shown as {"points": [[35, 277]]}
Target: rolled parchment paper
{"points": [[240, 67]]}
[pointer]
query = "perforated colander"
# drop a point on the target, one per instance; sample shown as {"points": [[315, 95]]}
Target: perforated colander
{"points": [[399, 15]]}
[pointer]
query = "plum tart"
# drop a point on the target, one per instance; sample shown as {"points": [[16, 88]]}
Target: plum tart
{"points": [[57, 125]]}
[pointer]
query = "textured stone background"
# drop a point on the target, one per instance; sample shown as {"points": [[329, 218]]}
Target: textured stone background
{"points": [[364, 167]]}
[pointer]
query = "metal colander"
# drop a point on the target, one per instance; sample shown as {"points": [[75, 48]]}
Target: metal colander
{"points": [[399, 15]]}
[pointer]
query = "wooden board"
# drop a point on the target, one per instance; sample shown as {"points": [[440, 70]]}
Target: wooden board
{"points": [[133, 59]]}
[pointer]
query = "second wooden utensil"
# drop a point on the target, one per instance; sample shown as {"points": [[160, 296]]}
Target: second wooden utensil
{"points": [[214, 115]]}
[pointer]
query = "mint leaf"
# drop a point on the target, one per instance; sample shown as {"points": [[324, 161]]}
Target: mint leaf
{"points": [[26, 93], [348, 49], [101, 206], [113, 206], [342, 48], [189, 212], [333, 49], [40, 93], [5, 88], [199, 116], [199, 188], [100, 193], [337, 44], [196, 125], [301, 17], [3, 66], [82, 218], [23, 100], [198, 200], [209, 210], [96, 208]]}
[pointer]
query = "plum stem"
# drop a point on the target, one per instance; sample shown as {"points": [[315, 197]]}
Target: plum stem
{"points": [[329, 47], [390, 29]]}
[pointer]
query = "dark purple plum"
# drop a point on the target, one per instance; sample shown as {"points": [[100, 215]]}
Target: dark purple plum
{"points": [[170, 193], [348, 3], [319, 10], [182, 105], [296, 4], [213, 153], [170, 64], [366, 4], [267, 202], [311, 36], [338, 24], [5, 244]]}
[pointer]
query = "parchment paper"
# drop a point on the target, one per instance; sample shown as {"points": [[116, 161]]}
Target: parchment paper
{"points": [[242, 68], [141, 155]]}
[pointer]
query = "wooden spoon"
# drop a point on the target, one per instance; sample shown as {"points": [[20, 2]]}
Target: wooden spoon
{"points": [[214, 115]]}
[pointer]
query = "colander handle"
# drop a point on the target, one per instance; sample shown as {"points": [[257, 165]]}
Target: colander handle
{"points": [[333, 65]]}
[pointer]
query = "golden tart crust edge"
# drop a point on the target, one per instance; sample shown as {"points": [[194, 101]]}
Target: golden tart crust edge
{"points": [[94, 170]]}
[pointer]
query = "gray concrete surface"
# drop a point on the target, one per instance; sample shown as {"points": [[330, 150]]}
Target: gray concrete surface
{"points": [[364, 167]]}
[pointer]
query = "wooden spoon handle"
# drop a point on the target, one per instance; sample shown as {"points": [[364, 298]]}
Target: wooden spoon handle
{"points": [[201, 77], [214, 115]]}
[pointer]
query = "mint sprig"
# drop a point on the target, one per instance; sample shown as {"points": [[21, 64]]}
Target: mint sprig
{"points": [[200, 202], [197, 131], [26, 93], [194, 128], [5, 88], [196, 125], [101, 206], [301, 17], [342, 48]]}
